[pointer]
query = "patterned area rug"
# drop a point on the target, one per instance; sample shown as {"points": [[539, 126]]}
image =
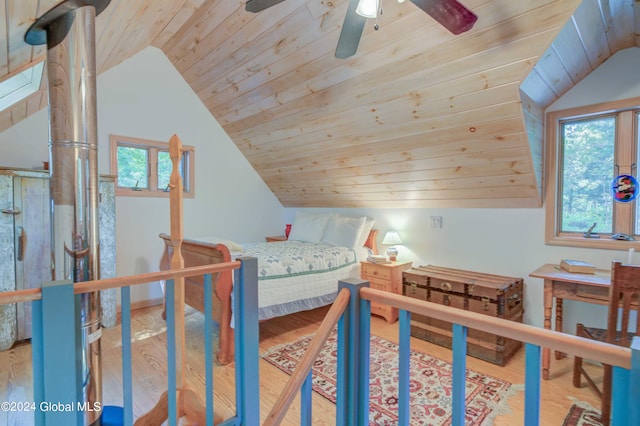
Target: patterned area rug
{"points": [[430, 403], [582, 414]]}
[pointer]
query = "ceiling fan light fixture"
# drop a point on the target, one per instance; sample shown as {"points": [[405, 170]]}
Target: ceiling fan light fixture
{"points": [[367, 8]]}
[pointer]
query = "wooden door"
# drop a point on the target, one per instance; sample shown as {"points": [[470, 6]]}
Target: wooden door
{"points": [[32, 242]]}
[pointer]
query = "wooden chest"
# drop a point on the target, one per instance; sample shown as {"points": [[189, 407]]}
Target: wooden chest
{"points": [[488, 294]]}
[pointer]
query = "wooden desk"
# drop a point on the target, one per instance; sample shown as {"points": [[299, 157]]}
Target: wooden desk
{"points": [[558, 283]]}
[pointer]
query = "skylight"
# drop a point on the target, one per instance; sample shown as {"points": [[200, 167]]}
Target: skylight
{"points": [[21, 85]]}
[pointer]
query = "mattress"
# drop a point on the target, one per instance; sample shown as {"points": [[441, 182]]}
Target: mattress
{"points": [[295, 276]]}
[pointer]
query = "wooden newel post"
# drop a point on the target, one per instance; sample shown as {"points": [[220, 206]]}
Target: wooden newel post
{"points": [[164, 409], [177, 262]]}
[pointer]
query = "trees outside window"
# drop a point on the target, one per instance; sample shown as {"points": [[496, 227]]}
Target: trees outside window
{"points": [[587, 148], [144, 167], [587, 172]]}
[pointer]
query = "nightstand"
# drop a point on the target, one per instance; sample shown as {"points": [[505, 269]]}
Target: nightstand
{"points": [[387, 277], [276, 238]]}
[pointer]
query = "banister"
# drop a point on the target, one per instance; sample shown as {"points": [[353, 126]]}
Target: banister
{"points": [[31, 294], [130, 280], [568, 343], [17, 296], [303, 368]]}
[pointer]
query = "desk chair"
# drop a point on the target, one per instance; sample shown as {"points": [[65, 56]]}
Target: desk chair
{"points": [[625, 287]]}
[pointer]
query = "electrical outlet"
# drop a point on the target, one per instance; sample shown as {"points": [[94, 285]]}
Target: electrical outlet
{"points": [[436, 222]]}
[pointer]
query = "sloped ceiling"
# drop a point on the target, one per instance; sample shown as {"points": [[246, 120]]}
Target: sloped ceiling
{"points": [[417, 118]]}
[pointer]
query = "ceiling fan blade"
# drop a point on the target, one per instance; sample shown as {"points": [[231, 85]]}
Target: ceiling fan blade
{"points": [[351, 32], [449, 13], [255, 6]]}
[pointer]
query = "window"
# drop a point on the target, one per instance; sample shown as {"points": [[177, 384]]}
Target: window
{"points": [[20, 85], [588, 147], [144, 167]]}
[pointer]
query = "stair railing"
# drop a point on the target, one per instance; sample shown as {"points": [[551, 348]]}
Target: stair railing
{"points": [[352, 395], [56, 333]]}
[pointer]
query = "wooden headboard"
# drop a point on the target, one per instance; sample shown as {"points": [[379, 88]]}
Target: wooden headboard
{"points": [[372, 242]]}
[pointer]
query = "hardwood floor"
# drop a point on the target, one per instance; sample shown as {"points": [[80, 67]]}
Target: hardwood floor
{"points": [[149, 369]]}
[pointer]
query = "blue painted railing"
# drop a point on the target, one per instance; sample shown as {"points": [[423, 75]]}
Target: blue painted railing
{"points": [[57, 311], [352, 399], [56, 339]]}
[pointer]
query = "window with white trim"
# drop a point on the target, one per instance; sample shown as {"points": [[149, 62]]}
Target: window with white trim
{"points": [[143, 167]]}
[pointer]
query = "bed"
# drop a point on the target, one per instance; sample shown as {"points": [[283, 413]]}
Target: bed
{"points": [[295, 275]]}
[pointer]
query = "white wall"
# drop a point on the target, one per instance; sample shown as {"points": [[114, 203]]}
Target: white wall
{"points": [[511, 241], [498, 241], [145, 97], [616, 79]]}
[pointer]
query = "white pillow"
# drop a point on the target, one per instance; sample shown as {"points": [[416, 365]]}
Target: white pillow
{"points": [[366, 229], [309, 227], [344, 231]]}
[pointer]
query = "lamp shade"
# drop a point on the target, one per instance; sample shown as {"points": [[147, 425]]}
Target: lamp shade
{"points": [[391, 238]]}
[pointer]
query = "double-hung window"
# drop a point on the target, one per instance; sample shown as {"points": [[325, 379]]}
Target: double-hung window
{"points": [[144, 167], [591, 150]]}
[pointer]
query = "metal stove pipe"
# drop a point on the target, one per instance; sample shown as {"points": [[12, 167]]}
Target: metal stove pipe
{"points": [[69, 32]]}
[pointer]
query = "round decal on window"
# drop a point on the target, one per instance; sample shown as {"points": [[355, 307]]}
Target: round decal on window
{"points": [[624, 188]]}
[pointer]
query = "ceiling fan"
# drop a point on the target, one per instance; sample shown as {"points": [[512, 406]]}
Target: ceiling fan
{"points": [[449, 13]]}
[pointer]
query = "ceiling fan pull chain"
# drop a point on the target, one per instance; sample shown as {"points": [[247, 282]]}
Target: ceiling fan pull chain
{"points": [[376, 26]]}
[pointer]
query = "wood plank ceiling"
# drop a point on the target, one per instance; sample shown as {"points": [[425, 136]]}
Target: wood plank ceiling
{"points": [[417, 118]]}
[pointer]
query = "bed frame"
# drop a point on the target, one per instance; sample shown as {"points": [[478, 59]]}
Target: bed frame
{"points": [[197, 253]]}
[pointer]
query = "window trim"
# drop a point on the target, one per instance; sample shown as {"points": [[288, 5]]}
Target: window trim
{"points": [[154, 147], [30, 75], [623, 212]]}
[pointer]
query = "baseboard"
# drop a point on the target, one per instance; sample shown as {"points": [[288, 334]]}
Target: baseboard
{"points": [[140, 304]]}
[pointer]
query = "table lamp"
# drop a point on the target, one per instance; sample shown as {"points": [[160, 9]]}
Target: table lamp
{"points": [[391, 238]]}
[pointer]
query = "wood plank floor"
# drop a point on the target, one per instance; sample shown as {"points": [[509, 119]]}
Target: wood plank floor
{"points": [[149, 369]]}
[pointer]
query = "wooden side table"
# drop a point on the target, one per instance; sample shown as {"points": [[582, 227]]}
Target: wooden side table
{"points": [[276, 238], [387, 277]]}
